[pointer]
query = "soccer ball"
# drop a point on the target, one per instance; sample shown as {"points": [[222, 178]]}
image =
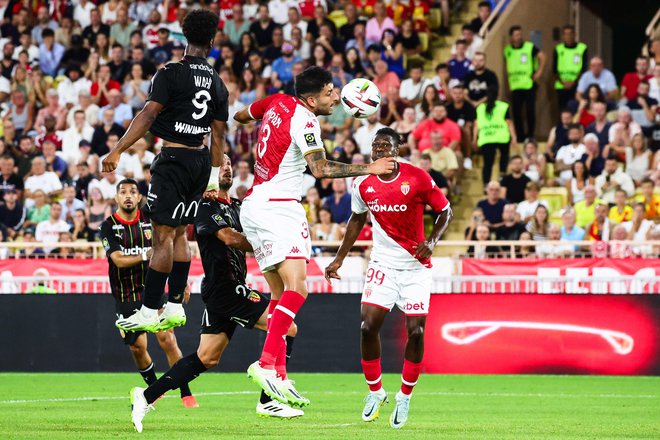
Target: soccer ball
{"points": [[360, 98]]}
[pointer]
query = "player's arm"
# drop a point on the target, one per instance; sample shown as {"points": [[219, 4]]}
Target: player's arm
{"points": [[353, 228], [232, 238], [123, 261], [321, 167], [218, 130], [136, 131], [254, 111], [425, 249]]}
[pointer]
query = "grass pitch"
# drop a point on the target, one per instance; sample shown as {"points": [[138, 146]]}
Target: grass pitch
{"points": [[96, 406]]}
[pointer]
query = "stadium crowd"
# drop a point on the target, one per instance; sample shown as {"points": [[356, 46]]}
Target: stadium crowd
{"points": [[73, 74]]}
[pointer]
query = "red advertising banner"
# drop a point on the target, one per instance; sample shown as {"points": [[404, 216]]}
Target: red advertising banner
{"points": [[569, 275], [566, 334]]}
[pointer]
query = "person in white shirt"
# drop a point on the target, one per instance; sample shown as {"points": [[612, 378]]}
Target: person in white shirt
{"points": [[70, 204], [80, 130], [474, 42], [613, 179], [243, 178], [123, 112], [74, 83], [82, 13], [107, 185], [412, 89], [294, 21], [640, 230], [527, 207], [365, 134], [569, 154], [553, 250], [27, 46], [84, 103], [49, 230], [279, 10], [47, 181]]}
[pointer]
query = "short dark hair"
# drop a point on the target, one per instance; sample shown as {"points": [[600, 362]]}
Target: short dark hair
{"points": [[311, 81], [127, 181], [514, 157], [47, 32], [461, 41], [575, 126], [199, 27], [425, 156], [647, 180], [467, 27], [387, 131], [485, 4], [515, 27], [568, 27], [117, 45], [441, 66]]}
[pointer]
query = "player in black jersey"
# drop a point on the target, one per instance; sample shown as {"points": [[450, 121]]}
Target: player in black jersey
{"points": [[126, 238], [187, 101], [229, 302]]}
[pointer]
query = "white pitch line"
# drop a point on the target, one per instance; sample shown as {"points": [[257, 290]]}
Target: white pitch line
{"points": [[438, 393]]}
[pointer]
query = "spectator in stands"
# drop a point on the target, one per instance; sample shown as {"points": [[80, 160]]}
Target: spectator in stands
{"points": [[38, 211], [443, 159], [584, 113], [136, 88], [48, 231], [13, 213], [243, 177], [558, 136], [122, 28], [593, 158], [102, 86], [392, 53], [459, 64], [600, 126], [107, 185], [539, 223], [640, 230], [462, 112], [510, 228], [83, 180], [80, 230], [470, 232], [643, 109], [49, 130], [339, 203], [412, 46], [405, 126], [617, 249], [481, 251], [524, 66], [70, 204], [441, 81], [262, 28], [282, 66], [47, 181], [569, 231], [638, 159], [420, 138], [326, 229], [20, 113], [27, 151], [384, 79], [119, 67], [654, 83], [71, 85], [553, 250], [365, 134], [96, 27], [493, 205], [527, 208], [534, 163], [295, 20], [650, 200], [377, 24], [597, 74], [631, 80], [612, 179], [430, 99], [352, 19], [103, 131], [412, 89], [568, 63], [97, 209], [515, 183], [621, 211], [54, 163], [238, 25], [122, 113], [44, 20], [391, 108], [50, 53], [493, 130], [473, 42], [578, 182], [569, 154], [425, 163], [10, 180], [484, 11], [353, 63], [585, 209], [312, 205], [480, 80], [599, 229]]}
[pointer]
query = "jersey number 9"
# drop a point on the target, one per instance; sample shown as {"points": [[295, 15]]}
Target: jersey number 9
{"points": [[200, 102]]}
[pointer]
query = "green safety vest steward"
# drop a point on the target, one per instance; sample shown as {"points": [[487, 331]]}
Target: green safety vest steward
{"points": [[520, 65], [569, 63], [493, 128], [41, 289]]}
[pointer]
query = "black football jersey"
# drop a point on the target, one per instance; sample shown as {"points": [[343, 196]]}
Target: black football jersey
{"points": [[224, 266], [192, 95], [131, 238]]}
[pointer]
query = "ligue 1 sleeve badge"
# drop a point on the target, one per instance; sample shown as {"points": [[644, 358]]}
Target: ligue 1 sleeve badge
{"points": [[405, 188]]}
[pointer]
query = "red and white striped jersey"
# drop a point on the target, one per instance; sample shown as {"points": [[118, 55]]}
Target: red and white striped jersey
{"points": [[288, 132], [397, 213]]}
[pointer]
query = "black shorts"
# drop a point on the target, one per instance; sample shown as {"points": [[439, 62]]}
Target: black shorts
{"points": [[179, 177], [230, 306], [126, 309]]}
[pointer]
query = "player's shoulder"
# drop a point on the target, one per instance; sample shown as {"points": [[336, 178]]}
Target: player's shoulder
{"points": [[358, 181], [302, 116], [414, 174]]}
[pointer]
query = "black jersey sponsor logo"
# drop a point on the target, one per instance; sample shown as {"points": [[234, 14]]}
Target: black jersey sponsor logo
{"points": [[201, 67], [182, 127], [135, 250]]}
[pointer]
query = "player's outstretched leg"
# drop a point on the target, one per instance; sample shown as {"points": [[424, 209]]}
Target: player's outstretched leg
{"points": [[412, 367], [139, 407], [372, 321], [167, 341]]}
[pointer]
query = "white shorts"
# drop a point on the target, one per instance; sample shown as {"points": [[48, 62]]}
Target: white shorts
{"points": [[409, 289], [277, 231]]}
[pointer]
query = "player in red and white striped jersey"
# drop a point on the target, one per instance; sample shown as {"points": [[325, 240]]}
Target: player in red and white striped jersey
{"points": [[273, 218], [399, 271]]}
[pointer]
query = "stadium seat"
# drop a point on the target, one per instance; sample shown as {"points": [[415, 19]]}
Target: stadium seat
{"points": [[556, 198], [435, 18]]}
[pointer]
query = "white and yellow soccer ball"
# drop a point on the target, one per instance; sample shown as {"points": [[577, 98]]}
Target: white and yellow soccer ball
{"points": [[360, 98]]}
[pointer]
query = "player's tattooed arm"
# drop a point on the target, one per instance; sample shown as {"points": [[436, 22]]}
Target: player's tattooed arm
{"points": [[353, 228], [232, 238], [321, 167], [425, 248]]}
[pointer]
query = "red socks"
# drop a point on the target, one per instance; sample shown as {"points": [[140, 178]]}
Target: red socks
{"points": [[280, 361], [372, 373], [409, 376], [283, 315]]}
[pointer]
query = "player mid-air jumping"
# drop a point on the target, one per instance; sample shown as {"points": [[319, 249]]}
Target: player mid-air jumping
{"points": [[399, 270], [272, 217], [187, 101]]}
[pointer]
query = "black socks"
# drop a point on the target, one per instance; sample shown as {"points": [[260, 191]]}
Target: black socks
{"points": [[184, 371], [154, 286], [178, 281]]}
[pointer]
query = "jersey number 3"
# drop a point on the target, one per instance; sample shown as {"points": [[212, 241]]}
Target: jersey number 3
{"points": [[265, 134], [200, 101]]}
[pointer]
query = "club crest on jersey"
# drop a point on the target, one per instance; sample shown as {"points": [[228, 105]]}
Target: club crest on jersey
{"points": [[254, 297], [147, 234], [405, 188], [311, 140]]}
